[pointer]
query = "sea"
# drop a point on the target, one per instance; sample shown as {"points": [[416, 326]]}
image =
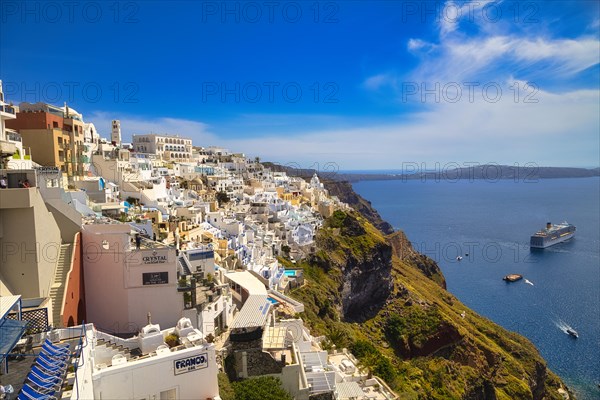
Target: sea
{"points": [[488, 223]]}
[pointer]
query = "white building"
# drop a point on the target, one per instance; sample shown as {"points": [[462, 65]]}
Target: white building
{"points": [[144, 366], [170, 148]]}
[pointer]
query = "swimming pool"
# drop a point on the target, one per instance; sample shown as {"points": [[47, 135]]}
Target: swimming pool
{"points": [[290, 272]]}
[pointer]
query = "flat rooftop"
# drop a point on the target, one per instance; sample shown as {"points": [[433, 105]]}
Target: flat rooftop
{"points": [[248, 281]]}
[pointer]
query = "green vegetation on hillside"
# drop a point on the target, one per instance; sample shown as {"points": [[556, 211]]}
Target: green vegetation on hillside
{"points": [[261, 388]]}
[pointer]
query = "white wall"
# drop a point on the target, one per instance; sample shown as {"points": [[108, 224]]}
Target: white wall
{"points": [[147, 379]]}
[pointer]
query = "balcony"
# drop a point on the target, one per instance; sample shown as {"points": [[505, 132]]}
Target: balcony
{"points": [[7, 148], [16, 198], [13, 136], [6, 109]]}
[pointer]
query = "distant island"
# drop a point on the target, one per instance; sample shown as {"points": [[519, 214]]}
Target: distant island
{"points": [[488, 172]]}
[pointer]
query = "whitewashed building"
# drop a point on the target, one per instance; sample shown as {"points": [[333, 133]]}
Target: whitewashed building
{"points": [[170, 148]]}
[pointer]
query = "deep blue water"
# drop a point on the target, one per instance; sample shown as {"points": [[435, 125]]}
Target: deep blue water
{"points": [[492, 221]]}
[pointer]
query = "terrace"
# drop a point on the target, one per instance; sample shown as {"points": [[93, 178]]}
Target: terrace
{"points": [[35, 356]]}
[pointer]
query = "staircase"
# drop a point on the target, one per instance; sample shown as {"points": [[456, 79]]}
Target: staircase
{"points": [[57, 290], [184, 266], [106, 350]]}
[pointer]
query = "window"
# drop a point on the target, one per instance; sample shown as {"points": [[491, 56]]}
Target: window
{"points": [[54, 124], [170, 394]]}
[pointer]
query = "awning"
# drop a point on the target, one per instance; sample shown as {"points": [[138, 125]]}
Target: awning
{"points": [[10, 332], [254, 313], [7, 303]]}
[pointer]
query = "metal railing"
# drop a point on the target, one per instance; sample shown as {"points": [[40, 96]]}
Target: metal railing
{"points": [[7, 109], [15, 137]]}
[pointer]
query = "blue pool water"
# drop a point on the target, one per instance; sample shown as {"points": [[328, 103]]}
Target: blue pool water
{"points": [[290, 272], [492, 221]]}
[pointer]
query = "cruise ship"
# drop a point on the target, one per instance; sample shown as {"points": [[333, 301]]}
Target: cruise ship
{"points": [[552, 235]]}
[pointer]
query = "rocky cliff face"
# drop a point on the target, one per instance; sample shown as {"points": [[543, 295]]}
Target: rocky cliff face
{"points": [[405, 252], [411, 331], [365, 266]]}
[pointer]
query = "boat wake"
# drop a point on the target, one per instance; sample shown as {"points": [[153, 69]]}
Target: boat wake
{"points": [[527, 281], [563, 326]]}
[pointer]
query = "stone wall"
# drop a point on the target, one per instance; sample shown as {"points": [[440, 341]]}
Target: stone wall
{"points": [[322, 396], [257, 363], [262, 363]]}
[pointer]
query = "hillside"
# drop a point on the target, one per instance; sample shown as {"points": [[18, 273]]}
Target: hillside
{"points": [[374, 294]]}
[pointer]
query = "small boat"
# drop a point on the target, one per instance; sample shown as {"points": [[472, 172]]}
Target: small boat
{"points": [[458, 258], [572, 332], [512, 277]]}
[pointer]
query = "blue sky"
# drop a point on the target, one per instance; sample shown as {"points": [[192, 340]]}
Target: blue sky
{"points": [[365, 85]]}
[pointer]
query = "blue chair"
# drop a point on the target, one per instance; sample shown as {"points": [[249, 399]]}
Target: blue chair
{"points": [[50, 367], [56, 348], [37, 373], [51, 360], [55, 353], [30, 393], [42, 385], [42, 372], [55, 356]]}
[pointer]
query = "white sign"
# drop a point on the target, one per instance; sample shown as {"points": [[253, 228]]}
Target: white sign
{"points": [[190, 364]]}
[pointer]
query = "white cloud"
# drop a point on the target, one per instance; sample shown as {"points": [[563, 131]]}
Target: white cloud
{"points": [[488, 57], [378, 81], [418, 44], [451, 13], [568, 56]]}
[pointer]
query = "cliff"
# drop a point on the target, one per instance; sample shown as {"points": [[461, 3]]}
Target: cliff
{"points": [[343, 191], [373, 293]]}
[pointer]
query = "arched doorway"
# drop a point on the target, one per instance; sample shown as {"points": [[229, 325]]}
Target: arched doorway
{"points": [[80, 311]]}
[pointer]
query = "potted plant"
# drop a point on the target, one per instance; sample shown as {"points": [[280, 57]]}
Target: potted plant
{"points": [[172, 340]]}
